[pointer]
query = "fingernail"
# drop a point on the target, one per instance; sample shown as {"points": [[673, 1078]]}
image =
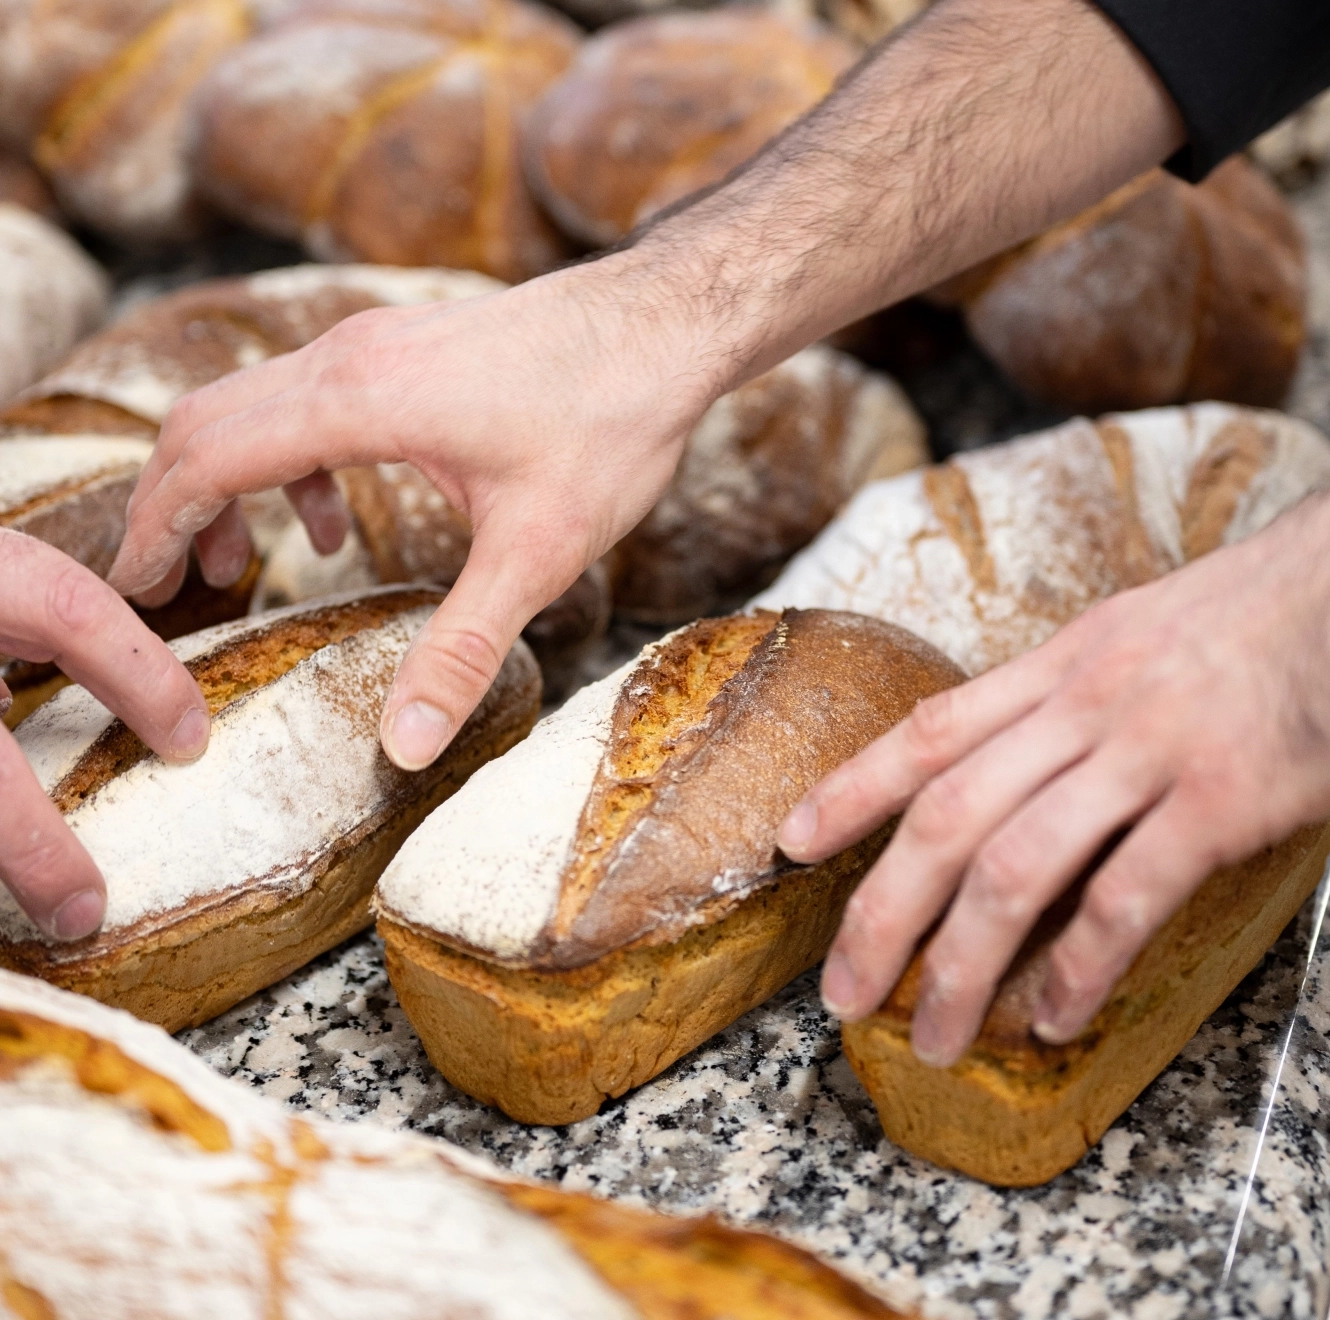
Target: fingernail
{"points": [[838, 986], [797, 829], [929, 1041], [78, 915], [1053, 1028], [417, 734], [189, 739], [225, 571]]}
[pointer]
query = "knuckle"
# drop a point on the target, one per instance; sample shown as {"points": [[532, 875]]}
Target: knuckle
{"points": [[75, 601], [937, 808], [930, 730], [1000, 880], [466, 657]]}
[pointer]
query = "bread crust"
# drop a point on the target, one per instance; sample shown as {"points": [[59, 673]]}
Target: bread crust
{"points": [[1016, 1112], [184, 965]]}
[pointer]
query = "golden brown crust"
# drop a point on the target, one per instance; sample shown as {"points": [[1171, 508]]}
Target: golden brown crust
{"points": [[1162, 293], [552, 1046], [656, 107], [714, 738], [1016, 1111], [696, 1269], [183, 967], [413, 159], [69, 414]]}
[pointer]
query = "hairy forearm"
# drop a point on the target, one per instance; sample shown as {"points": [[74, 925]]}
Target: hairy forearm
{"points": [[976, 127]]}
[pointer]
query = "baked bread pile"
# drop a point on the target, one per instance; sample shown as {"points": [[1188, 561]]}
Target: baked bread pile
{"points": [[597, 902], [135, 1182]]}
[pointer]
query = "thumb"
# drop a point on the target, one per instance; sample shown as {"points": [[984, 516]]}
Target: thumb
{"points": [[458, 653]]}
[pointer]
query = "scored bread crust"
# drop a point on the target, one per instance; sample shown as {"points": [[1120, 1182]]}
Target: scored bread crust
{"points": [[986, 557], [225, 875], [112, 1136], [557, 949]]}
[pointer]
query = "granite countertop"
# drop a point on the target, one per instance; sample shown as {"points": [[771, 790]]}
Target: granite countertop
{"points": [[767, 1125]]}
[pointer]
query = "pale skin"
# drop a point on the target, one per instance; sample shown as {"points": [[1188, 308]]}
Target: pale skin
{"points": [[1190, 713]]}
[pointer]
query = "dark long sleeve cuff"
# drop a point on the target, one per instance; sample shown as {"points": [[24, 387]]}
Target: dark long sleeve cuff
{"points": [[1233, 67]]}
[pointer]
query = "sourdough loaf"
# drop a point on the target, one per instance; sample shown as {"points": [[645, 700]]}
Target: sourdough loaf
{"points": [[1161, 293], [602, 900], [135, 1182], [72, 493], [21, 185], [986, 556], [657, 107], [100, 95], [224, 875], [388, 131], [54, 294], [761, 474], [125, 379]]}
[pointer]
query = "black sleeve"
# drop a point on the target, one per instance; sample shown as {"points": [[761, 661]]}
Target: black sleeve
{"points": [[1234, 67]]}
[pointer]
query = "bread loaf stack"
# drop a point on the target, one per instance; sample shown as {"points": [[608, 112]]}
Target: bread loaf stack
{"points": [[100, 96], [224, 875], [986, 557], [388, 131], [655, 108], [51, 295], [135, 1182]]}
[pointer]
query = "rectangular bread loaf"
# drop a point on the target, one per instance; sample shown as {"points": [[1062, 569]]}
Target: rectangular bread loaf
{"points": [[135, 1182], [609, 895], [226, 874]]}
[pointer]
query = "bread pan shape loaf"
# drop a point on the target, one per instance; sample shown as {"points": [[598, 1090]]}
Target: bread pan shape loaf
{"points": [[608, 896], [987, 556], [224, 875], [134, 1181]]}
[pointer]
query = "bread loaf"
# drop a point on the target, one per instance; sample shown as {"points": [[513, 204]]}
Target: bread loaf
{"points": [[596, 904], [100, 95], [54, 294], [72, 492], [125, 379], [986, 557], [134, 1182], [762, 473], [387, 131], [1164, 292], [224, 875], [1297, 147], [656, 107]]}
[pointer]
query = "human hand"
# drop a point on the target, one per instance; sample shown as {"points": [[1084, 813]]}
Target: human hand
{"points": [[552, 415], [1193, 713], [53, 609]]}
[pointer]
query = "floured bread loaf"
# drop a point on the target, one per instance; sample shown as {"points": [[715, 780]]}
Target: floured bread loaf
{"points": [[100, 95], [657, 107], [134, 1182], [599, 902], [72, 492], [1163, 292], [985, 557], [388, 131], [226, 874], [760, 476], [124, 380], [54, 294]]}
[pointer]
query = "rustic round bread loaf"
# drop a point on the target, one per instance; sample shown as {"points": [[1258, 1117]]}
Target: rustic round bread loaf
{"points": [[655, 108], [1162, 293], [51, 295], [388, 131], [99, 93], [23, 186]]}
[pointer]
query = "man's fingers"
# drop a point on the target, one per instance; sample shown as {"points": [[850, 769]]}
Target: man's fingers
{"points": [[55, 609], [1159, 863], [857, 797], [166, 587], [1016, 873], [320, 506], [224, 547], [457, 654], [41, 863]]}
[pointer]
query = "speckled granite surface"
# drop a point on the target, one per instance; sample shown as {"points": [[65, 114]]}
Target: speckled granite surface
{"points": [[767, 1124]]}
